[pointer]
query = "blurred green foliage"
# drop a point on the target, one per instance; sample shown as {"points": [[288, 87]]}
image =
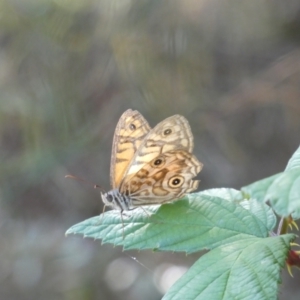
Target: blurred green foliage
{"points": [[68, 69]]}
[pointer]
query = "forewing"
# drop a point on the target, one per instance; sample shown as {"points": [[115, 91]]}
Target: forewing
{"points": [[167, 177], [129, 134], [173, 133]]}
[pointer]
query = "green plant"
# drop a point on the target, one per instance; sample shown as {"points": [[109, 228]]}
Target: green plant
{"points": [[245, 256]]}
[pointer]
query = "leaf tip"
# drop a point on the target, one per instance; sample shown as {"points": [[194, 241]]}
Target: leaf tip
{"points": [[289, 270], [68, 232]]}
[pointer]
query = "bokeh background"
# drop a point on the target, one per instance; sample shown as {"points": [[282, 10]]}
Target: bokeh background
{"points": [[68, 70]]}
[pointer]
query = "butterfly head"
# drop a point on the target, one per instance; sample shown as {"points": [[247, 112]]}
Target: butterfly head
{"points": [[116, 200], [107, 199]]}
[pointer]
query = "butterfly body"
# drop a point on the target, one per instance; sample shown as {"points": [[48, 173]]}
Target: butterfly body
{"points": [[151, 166]]}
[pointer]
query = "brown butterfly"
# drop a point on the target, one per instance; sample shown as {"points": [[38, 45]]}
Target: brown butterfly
{"points": [[151, 166]]}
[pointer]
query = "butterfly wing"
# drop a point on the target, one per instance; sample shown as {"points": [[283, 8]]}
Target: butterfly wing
{"points": [[129, 134], [172, 133], [165, 178]]}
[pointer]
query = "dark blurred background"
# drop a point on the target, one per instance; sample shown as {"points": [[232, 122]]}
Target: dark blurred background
{"points": [[70, 68]]}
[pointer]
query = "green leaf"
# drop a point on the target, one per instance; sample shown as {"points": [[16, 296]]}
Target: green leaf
{"points": [[294, 161], [246, 269], [281, 190], [261, 210], [224, 193], [199, 222], [257, 189]]}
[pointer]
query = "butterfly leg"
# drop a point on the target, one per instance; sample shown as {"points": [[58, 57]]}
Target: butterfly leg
{"points": [[101, 215], [149, 215], [145, 211], [123, 234], [103, 211]]}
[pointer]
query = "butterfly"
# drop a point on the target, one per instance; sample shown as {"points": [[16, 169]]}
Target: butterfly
{"points": [[150, 166]]}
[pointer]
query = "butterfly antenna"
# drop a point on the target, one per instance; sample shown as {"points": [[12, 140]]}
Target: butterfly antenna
{"points": [[96, 186]]}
